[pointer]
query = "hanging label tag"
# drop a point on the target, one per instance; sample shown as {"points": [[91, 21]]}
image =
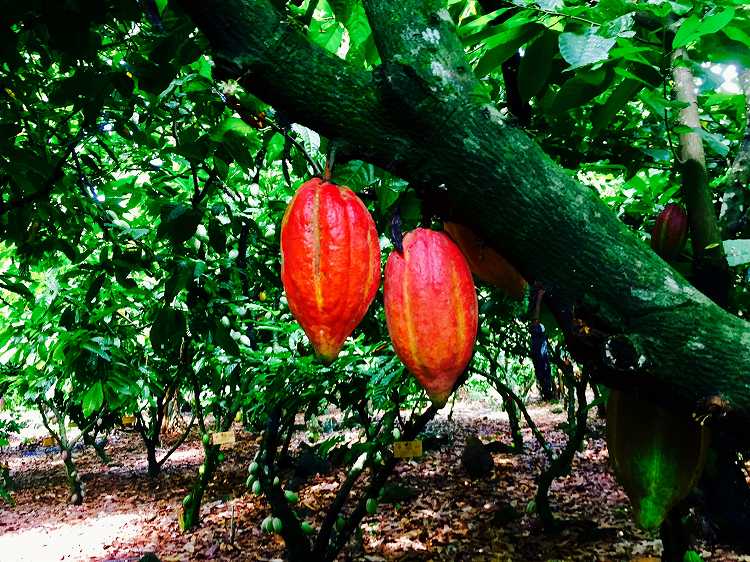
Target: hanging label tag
{"points": [[223, 438], [407, 449], [128, 421], [48, 441]]}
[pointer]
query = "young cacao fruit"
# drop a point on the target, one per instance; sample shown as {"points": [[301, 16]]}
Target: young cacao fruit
{"points": [[485, 262], [657, 455], [670, 232], [330, 263], [431, 310]]}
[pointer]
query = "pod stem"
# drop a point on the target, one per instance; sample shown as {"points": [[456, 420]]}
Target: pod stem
{"points": [[397, 235]]}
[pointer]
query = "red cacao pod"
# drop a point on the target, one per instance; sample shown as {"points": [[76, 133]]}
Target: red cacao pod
{"points": [[431, 310], [485, 262], [670, 232], [330, 263]]}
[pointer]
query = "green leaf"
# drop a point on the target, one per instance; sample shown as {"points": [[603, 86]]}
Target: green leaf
{"points": [[231, 125], [93, 399], [536, 65], [509, 43], [737, 251], [714, 142], [617, 100], [581, 50], [580, 89], [161, 5], [693, 27], [93, 291], [178, 222], [167, 329], [737, 34]]}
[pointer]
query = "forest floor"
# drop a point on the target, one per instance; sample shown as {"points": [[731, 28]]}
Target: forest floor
{"points": [[450, 517]]}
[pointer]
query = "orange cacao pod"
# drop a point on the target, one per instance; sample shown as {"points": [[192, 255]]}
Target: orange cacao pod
{"points": [[670, 231], [485, 262], [431, 310], [330, 263]]}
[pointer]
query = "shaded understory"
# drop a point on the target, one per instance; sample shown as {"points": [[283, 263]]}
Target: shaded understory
{"points": [[126, 514]]}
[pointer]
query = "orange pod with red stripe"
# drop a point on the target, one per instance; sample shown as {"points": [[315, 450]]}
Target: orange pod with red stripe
{"points": [[431, 310], [330, 263]]}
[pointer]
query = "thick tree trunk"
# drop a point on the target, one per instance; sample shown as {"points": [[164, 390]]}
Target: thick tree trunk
{"points": [[414, 116]]}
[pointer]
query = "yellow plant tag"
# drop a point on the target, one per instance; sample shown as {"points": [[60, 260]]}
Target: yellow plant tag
{"points": [[223, 438], [128, 421], [407, 449], [48, 441]]}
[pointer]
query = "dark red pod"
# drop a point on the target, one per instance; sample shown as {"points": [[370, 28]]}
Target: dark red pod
{"points": [[670, 232]]}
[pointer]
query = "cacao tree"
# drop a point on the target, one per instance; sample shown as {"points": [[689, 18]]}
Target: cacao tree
{"points": [[148, 151]]}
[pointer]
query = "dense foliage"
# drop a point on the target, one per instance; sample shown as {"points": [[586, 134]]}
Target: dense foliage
{"points": [[142, 194]]}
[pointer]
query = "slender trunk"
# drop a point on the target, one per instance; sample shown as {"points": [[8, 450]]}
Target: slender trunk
{"points": [[710, 269], [74, 479], [90, 441], [513, 421], [560, 466], [154, 467], [191, 510]]}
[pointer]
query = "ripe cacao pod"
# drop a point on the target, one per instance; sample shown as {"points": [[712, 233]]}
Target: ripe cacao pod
{"points": [[485, 262], [670, 232], [431, 310], [657, 455], [330, 263]]}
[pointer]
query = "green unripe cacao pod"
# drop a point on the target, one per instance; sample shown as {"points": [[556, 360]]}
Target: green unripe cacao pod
{"points": [[256, 487], [307, 528], [290, 496], [371, 506], [657, 455], [278, 526]]}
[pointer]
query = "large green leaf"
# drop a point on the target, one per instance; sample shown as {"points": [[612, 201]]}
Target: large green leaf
{"points": [[693, 27], [93, 399], [510, 41], [583, 49], [536, 65]]}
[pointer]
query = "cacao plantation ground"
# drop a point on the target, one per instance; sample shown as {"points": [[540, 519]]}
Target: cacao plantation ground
{"points": [[447, 517]]}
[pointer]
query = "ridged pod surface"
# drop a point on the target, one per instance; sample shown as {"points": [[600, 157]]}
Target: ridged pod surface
{"points": [[330, 263], [485, 262], [431, 310], [657, 455], [670, 231]]}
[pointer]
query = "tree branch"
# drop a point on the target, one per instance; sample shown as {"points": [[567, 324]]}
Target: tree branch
{"points": [[550, 227]]}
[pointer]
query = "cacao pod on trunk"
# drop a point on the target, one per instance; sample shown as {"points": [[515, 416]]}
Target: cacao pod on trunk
{"points": [[670, 232], [488, 265], [330, 263], [431, 310], [657, 455]]}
